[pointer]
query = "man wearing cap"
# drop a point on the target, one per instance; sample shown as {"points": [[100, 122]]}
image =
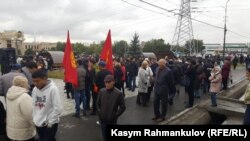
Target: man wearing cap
{"points": [[99, 80], [110, 104], [6, 79]]}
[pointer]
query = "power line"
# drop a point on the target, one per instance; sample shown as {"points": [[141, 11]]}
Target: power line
{"points": [[207, 23], [194, 19], [172, 3], [147, 9], [171, 11], [238, 34]]}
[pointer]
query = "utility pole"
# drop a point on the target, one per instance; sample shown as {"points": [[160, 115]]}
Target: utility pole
{"points": [[225, 31]]}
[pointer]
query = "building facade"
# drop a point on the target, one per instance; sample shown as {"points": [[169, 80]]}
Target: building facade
{"points": [[38, 46], [214, 49], [12, 39], [15, 39]]}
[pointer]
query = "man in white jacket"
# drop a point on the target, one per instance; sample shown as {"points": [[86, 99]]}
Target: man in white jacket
{"points": [[46, 106]]}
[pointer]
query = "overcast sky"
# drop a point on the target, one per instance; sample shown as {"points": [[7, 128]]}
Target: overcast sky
{"points": [[90, 20]]}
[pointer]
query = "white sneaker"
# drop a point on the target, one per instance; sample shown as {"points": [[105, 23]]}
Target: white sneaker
{"points": [[97, 122]]}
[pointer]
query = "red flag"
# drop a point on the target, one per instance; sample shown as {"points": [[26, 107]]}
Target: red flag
{"points": [[106, 54], [69, 64]]}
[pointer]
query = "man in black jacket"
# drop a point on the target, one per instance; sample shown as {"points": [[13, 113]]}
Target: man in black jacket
{"points": [[132, 73], [110, 104], [99, 81]]}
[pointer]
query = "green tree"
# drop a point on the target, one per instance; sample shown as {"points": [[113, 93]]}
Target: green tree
{"points": [[135, 44], [53, 49], [196, 44], [156, 45], [78, 48], [119, 48], [29, 51], [60, 46], [94, 49]]}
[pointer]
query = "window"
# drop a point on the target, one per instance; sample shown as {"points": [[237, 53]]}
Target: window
{"points": [[9, 43]]}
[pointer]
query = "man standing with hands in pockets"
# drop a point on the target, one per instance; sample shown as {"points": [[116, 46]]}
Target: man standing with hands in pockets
{"points": [[110, 104], [47, 106]]}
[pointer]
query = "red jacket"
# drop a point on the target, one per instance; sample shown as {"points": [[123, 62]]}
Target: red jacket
{"points": [[225, 71], [124, 73]]}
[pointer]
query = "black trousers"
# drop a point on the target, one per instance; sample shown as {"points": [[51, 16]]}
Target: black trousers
{"points": [[88, 96], [141, 98], [150, 89], [94, 97], [160, 100], [71, 91], [123, 89], [32, 139], [190, 96], [224, 82], [47, 134]]}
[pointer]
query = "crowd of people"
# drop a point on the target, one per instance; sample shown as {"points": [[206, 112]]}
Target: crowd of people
{"points": [[34, 107], [33, 103]]}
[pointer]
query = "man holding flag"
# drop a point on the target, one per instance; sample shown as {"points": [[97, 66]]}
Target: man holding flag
{"points": [[110, 101], [105, 63], [76, 76]]}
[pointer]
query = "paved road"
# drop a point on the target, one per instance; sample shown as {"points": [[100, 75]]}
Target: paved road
{"points": [[85, 128]]}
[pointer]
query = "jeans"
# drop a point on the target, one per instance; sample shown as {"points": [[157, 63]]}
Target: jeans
{"points": [[205, 86], [197, 93], [80, 97], [132, 80], [213, 99], [247, 116]]}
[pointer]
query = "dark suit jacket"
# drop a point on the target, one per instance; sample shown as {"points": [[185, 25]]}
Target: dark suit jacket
{"points": [[164, 82]]}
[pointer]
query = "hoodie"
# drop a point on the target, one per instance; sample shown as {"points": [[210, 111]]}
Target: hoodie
{"points": [[47, 105], [19, 114]]}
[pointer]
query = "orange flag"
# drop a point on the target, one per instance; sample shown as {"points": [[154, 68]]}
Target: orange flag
{"points": [[69, 64], [106, 54]]}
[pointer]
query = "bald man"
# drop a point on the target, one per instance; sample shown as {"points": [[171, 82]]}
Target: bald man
{"points": [[163, 85]]}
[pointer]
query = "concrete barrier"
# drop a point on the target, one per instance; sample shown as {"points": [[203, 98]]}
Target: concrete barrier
{"points": [[229, 106]]}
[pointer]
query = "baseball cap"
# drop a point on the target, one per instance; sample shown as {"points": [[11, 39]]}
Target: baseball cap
{"points": [[15, 66], [109, 78], [102, 64]]}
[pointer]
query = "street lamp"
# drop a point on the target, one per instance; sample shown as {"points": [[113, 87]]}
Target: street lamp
{"points": [[225, 30]]}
